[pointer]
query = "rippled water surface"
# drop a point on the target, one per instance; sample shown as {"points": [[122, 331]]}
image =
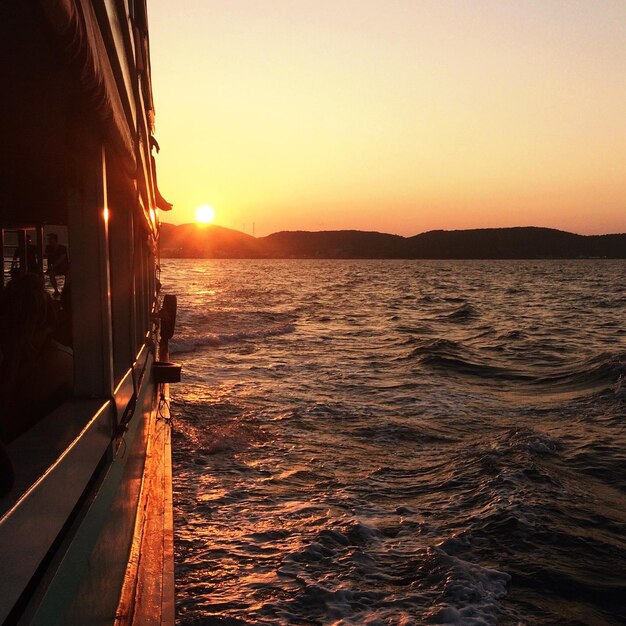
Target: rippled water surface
{"points": [[400, 442]]}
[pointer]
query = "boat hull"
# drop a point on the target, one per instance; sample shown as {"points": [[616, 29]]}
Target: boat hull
{"points": [[111, 559]]}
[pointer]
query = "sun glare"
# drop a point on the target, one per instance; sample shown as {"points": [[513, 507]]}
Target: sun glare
{"points": [[205, 214]]}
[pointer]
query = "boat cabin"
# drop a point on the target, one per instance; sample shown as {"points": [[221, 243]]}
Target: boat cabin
{"points": [[85, 447]]}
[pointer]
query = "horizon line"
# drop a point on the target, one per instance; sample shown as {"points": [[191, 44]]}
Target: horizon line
{"points": [[377, 232]]}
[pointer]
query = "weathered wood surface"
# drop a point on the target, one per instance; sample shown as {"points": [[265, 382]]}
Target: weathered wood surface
{"points": [[148, 593]]}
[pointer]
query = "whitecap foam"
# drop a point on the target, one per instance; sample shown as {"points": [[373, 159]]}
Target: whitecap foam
{"points": [[531, 440], [192, 342], [472, 593]]}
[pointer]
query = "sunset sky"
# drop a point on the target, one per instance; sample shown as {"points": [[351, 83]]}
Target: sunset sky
{"points": [[393, 115]]}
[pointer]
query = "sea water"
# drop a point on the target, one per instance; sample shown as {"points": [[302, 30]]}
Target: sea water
{"points": [[400, 442]]}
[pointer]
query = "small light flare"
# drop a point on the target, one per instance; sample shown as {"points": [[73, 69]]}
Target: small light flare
{"points": [[205, 214], [105, 213]]}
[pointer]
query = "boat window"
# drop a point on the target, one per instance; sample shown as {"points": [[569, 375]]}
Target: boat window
{"points": [[36, 362], [22, 252]]}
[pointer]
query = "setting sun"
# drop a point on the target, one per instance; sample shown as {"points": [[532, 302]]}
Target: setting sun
{"points": [[205, 214]]}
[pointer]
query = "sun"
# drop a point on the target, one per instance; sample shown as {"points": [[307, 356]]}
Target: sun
{"points": [[205, 214]]}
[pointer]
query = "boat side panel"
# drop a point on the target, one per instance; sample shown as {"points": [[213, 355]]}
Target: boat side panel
{"points": [[30, 527], [38, 449], [86, 586]]}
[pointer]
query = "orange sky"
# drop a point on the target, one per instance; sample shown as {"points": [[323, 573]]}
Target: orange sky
{"points": [[392, 115]]}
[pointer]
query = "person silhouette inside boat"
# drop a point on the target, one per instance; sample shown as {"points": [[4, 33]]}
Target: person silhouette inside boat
{"points": [[36, 372], [58, 263]]}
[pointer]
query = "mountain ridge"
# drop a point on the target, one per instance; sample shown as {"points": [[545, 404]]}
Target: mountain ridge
{"points": [[519, 242]]}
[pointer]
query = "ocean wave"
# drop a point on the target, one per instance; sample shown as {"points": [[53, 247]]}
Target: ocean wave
{"points": [[190, 343], [422, 329], [454, 357], [464, 313], [396, 432], [611, 304], [602, 371], [529, 440], [434, 347], [471, 593], [512, 457], [606, 370], [459, 591], [477, 370], [512, 335]]}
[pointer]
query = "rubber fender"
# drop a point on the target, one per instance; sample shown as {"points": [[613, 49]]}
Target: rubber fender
{"points": [[168, 316]]}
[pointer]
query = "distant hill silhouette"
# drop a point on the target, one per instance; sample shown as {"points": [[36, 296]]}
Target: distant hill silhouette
{"points": [[192, 241], [514, 243], [340, 244]]}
